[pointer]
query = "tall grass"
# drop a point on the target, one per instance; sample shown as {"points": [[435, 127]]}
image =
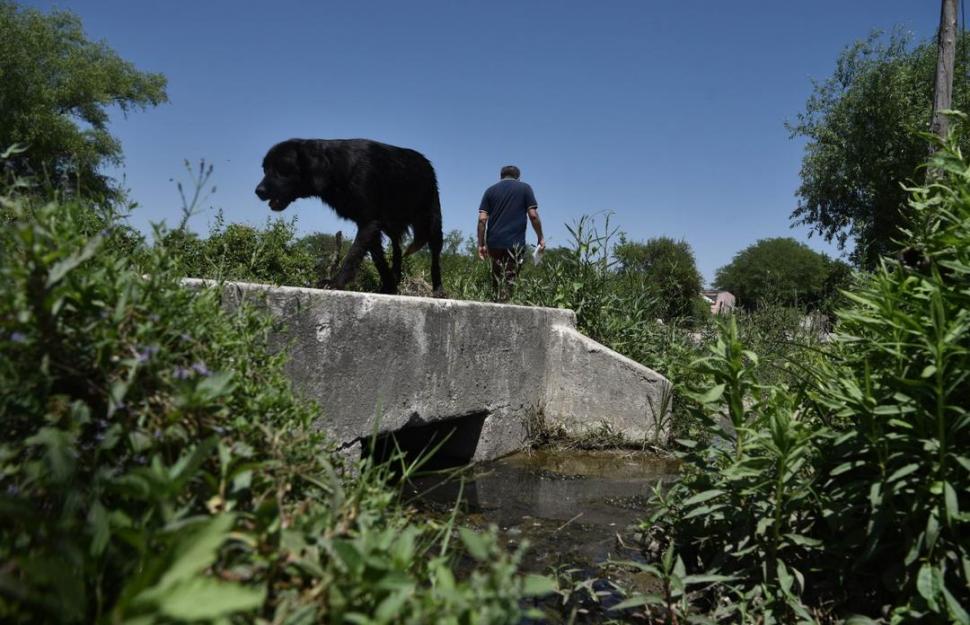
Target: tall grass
{"points": [[847, 493]]}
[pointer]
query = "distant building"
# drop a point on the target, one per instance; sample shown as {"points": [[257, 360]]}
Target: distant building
{"points": [[720, 301]]}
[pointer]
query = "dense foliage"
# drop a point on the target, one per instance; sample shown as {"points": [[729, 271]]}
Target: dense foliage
{"points": [[847, 492], [782, 271], [155, 466], [669, 268], [861, 125], [58, 87]]}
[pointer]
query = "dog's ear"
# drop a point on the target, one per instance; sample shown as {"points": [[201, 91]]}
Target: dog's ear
{"points": [[313, 165]]}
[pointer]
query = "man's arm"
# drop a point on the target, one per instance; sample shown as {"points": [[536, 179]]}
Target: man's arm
{"points": [[482, 220], [537, 226]]}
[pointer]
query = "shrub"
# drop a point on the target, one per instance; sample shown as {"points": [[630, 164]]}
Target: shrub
{"points": [[669, 269], [781, 271], [846, 494], [155, 466]]}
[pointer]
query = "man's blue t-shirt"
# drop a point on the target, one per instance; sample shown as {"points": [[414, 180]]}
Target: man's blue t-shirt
{"points": [[507, 203]]}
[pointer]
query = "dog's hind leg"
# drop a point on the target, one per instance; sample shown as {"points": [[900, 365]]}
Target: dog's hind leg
{"points": [[389, 280], [396, 259], [435, 242], [367, 234]]}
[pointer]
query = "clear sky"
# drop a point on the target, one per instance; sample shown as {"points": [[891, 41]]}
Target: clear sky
{"points": [[668, 113]]}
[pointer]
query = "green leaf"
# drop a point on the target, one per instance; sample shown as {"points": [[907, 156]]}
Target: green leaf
{"points": [[703, 510], [538, 585], [903, 472], [205, 598], [186, 467], [349, 555], [216, 385], [58, 451], [391, 605], [929, 583], [951, 502], [197, 549], [476, 545], [98, 520], [61, 269], [956, 611], [711, 396], [702, 497], [638, 600], [708, 579]]}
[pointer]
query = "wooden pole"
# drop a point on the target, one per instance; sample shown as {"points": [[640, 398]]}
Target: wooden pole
{"points": [[946, 55]]}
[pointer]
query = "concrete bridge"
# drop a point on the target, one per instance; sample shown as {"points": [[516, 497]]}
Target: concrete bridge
{"points": [[486, 374]]}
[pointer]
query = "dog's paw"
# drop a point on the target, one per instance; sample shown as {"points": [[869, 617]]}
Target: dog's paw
{"points": [[439, 293], [324, 283]]}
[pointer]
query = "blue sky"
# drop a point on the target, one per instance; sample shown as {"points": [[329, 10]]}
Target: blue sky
{"points": [[670, 114]]}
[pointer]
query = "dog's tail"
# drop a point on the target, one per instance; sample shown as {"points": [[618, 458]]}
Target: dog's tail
{"points": [[415, 246], [429, 231]]}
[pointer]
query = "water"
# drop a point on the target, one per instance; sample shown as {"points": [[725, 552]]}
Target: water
{"points": [[576, 509]]}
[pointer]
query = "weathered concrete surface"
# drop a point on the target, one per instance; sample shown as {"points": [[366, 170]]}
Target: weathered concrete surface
{"points": [[588, 385], [380, 363]]}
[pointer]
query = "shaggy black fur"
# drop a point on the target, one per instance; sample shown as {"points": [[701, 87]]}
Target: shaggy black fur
{"points": [[380, 187]]}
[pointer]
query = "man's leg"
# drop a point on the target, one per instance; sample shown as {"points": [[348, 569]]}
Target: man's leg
{"points": [[504, 270]]}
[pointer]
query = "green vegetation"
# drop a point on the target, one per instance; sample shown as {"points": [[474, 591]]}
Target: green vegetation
{"points": [[846, 493], [156, 467], [57, 87], [669, 267], [862, 129], [782, 271]]}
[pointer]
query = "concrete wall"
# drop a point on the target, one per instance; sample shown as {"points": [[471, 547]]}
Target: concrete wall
{"points": [[379, 363]]}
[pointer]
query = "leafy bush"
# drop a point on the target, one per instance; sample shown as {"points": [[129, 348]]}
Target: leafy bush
{"points": [[156, 467], [847, 494], [782, 271], [669, 268]]}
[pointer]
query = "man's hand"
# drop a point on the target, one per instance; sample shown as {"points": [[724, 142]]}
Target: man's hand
{"points": [[541, 245], [482, 252]]}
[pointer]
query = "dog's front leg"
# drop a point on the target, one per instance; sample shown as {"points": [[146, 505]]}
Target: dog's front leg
{"points": [[366, 234]]}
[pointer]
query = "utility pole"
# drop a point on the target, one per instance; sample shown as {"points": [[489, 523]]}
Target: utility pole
{"points": [[946, 54]]}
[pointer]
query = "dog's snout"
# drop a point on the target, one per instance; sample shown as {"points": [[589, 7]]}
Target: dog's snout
{"points": [[261, 191]]}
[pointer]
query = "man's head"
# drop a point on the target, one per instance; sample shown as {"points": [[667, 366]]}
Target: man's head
{"points": [[510, 171]]}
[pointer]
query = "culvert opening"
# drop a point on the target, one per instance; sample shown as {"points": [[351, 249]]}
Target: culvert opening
{"points": [[460, 436]]}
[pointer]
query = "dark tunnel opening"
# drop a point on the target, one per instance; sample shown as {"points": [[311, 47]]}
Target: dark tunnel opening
{"points": [[458, 439]]}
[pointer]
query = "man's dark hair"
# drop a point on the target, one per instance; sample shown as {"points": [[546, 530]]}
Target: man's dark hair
{"points": [[510, 171]]}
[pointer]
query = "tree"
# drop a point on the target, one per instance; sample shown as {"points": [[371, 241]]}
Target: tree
{"points": [[862, 127], [783, 271], [668, 266], [57, 90]]}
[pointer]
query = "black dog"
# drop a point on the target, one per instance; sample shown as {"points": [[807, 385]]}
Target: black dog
{"points": [[379, 187]]}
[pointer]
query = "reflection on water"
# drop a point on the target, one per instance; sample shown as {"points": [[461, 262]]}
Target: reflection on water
{"points": [[574, 508]]}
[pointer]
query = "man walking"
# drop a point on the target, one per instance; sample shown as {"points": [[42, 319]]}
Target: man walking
{"points": [[502, 215]]}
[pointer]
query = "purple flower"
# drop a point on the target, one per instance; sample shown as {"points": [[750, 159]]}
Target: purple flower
{"points": [[146, 353], [18, 337], [181, 373], [201, 369]]}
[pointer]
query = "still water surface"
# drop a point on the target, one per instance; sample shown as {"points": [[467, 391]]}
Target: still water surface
{"points": [[575, 508]]}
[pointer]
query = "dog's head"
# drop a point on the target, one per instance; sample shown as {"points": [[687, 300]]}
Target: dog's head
{"points": [[283, 177]]}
